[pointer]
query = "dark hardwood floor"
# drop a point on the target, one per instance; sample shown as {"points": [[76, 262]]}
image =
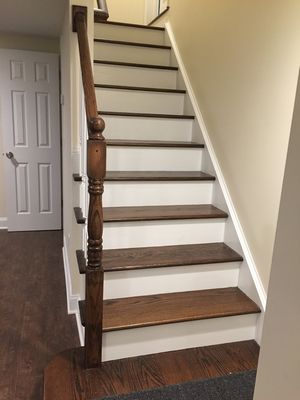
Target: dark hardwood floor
{"points": [[66, 378], [34, 322]]}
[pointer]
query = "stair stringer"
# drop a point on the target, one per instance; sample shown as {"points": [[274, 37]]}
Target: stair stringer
{"points": [[249, 280]]}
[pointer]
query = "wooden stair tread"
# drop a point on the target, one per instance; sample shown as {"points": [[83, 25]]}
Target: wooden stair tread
{"points": [[140, 88], [160, 309], [156, 28], [153, 176], [77, 177], [162, 256], [168, 256], [155, 213], [135, 44], [158, 176], [152, 143], [145, 115], [79, 216], [81, 261], [136, 65]]}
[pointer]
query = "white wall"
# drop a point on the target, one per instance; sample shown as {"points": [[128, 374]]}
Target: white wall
{"points": [[132, 11], [279, 363], [20, 42], [242, 58]]}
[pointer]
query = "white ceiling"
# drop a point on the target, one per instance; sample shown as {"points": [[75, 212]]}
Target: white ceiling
{"points": [[37, 17]]}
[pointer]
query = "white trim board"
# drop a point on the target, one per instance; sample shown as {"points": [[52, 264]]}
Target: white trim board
{"points": [[72, 299], [237, 225], [3, 223]]}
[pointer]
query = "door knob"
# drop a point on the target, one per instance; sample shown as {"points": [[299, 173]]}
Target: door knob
{"points": [[9, 155]]}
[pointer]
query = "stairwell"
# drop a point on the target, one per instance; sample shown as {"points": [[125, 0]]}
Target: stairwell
{"points": [[171, 280]]}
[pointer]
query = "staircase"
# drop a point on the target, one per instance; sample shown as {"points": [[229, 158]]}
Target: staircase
{"points": [[170, 281]]}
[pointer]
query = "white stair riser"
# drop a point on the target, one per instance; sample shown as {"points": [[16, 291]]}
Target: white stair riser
{"points": [[129, 34], [170, 279], [162, 338], [138, 101], [155, 159], [143, 128], [134, 76], [117, 194], [133, 54], [162, 233]]}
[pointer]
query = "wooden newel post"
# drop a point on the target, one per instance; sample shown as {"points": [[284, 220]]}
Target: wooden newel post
{"points": [[96, 169]]}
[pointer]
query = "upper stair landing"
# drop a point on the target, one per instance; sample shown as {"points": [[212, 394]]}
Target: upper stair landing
{"points": [[129, 33]]}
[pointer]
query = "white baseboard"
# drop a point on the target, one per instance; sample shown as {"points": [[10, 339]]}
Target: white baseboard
{"points": [[80, 329], [239, 230], [3, 223], [72, 299]]}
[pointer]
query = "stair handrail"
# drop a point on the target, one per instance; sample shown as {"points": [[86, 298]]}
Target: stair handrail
{"points": [[96, 170], [102, 9]]}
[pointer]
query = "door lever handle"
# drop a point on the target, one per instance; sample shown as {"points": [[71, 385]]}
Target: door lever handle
{"points": [[10, 155]]}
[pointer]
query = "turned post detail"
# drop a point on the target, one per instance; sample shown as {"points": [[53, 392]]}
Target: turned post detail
{"points": [[96, 169]]}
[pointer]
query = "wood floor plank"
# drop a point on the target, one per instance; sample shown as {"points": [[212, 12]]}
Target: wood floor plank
{"points": [[34, 327], [142, 311], [66, 378], [154, 213], [158, 176]]}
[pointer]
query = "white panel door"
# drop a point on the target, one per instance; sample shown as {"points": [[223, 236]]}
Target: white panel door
{"points": [[30, 127]]}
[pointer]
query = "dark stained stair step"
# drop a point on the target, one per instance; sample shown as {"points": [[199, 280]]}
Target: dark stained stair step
{"points": [[77, 178], [153, 143], [136, 65], [135, 44], [160, 309], [158, 213], [81, 261], [144, 115], [140, 88], [79, 216], [119, 176], [158, 176], [162, 256], [98, 15]]}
